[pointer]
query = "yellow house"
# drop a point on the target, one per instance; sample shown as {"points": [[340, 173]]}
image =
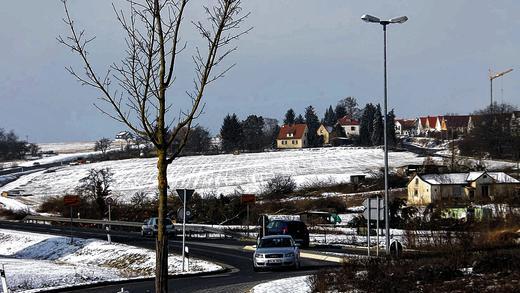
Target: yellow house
{"points": [[292, 136], [457, 187], [324, 131]]}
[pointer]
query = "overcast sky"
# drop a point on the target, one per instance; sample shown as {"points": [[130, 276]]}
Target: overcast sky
{"points": [[300, 53]]}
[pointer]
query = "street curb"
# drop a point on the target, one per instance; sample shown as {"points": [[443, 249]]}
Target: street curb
{"points": [[316, 256], [125, 281]]}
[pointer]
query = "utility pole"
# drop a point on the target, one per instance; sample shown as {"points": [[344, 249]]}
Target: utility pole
{"points": [[493, 77]]}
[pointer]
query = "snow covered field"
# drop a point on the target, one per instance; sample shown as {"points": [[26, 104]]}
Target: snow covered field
{"points": [[40, 261], [222, 173], [68, 147]]}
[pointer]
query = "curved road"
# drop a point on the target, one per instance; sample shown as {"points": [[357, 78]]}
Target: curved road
{"points": [[239, 277]]}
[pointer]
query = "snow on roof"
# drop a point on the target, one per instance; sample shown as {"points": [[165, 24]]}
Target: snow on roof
{"points": [[464, 178], [451, 178], [501, 177]]}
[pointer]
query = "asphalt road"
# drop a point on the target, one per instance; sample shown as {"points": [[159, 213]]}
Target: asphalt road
{"points": [[239, 276]]}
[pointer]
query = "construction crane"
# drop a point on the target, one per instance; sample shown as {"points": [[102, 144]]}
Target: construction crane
{"points": [[493, 76]]}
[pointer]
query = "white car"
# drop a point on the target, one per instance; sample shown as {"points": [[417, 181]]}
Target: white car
{"points": [[276, 251], [149, 227]]}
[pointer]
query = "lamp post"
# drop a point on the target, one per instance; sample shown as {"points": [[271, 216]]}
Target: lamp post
{"points": [[384, 23]]}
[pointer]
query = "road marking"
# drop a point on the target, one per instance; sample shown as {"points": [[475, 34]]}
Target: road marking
{"points": [[309, 255]]}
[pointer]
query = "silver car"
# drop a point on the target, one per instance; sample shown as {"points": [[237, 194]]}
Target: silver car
{"points": [[276, 251], [149, 227]]}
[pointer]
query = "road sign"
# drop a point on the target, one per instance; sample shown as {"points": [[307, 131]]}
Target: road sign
{"points": [[189, 194], [109, 201], [180, 214], [71, 200], [248, 198], [373, 209]]}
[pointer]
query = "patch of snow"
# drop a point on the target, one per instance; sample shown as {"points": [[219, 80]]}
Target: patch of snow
{"points": [[293, 285], [36, 261]]}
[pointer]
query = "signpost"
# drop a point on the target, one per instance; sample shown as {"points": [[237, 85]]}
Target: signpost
{"points": [[247, 199], [109, 202], [374, 210], [186, 195], [71, 200], [3, 279]]}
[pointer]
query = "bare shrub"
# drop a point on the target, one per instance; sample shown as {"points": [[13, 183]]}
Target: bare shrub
{"points": [[279, 186]]}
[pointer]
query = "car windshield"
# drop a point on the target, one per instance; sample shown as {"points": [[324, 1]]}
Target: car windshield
{"points": [[275, 242]]}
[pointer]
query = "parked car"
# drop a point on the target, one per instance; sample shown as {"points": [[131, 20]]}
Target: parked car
{"points": [[297, 229], [150, 226], [276, 251]]}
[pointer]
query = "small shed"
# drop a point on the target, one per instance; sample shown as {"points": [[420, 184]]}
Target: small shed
{"points": [[356, 179]]}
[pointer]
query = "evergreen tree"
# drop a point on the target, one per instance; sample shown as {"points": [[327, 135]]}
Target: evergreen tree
{"points": [[340, 111], [252, 129], [377, 133], [351, 107], [330, 118], [299, 120], [367, 125], [390, 129], [313, 123], [289, 117], [231, 133]]}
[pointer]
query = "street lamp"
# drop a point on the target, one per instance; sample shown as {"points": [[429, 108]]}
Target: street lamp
{"points": [[384, 23]]}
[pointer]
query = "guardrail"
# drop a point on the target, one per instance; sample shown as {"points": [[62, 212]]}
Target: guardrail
{"points": [[36, 219], [190, 228]]}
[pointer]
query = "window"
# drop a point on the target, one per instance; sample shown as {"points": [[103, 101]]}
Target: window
{"points": [[415, 193], [457, 191], [294, 142], [416, 181], [352, 128]]}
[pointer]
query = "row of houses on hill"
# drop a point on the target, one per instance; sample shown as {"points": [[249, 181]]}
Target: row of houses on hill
{"points": [[294, 136], [461, 124]]}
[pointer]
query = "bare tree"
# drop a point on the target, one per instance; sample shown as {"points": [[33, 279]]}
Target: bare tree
{"points": [[135, 89], [102, 145], [96, 187]]}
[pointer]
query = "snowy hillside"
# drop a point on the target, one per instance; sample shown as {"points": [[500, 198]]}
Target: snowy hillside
{"points": [[220, 174]]}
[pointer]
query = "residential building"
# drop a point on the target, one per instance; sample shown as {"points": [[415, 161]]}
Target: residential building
{"points": [[460, 187], [427, 125], [124, 135], [349, 125], [455, 123], [405, 127], [325, 131], [292, 136]]}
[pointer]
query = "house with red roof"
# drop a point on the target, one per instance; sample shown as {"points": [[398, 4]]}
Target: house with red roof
{"points": [[293, 136], [428, 124], [349, 125]]}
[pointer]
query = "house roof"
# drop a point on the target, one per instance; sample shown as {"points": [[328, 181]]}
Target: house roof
{"points": [[328, 128], [422, 121], [455, 121], [346, 121], [464, 178], [297, 131], [432, 121], [406, 123]]}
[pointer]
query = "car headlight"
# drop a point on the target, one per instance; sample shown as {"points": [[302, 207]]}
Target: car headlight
{"points": [[290, 254], [259, 255]]}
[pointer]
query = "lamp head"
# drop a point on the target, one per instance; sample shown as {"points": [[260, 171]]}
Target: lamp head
{"points": [[400, 19], [370, 18]]}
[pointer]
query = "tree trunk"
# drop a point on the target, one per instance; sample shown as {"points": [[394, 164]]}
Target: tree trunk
{"points": [[161, 279]]}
